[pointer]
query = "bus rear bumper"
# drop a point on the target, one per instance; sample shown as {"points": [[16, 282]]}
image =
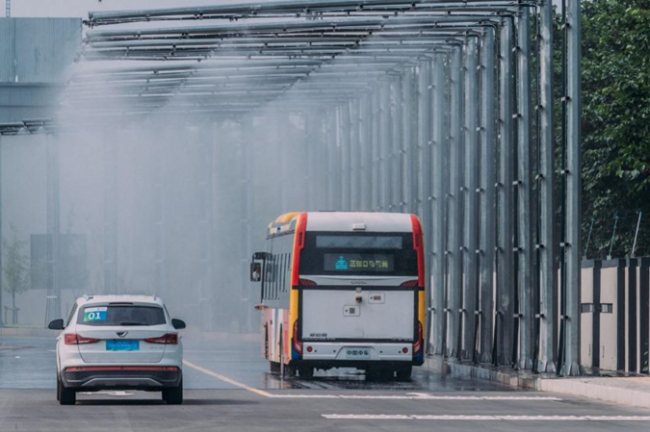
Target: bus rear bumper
{"points": [[357, 352]]}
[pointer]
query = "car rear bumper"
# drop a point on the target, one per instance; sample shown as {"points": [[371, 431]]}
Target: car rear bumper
{"points": [[93, 378]]}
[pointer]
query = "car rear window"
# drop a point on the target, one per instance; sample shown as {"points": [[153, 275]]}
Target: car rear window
{"points": [[125, 315]]}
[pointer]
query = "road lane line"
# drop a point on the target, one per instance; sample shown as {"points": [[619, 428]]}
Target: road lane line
{"points": [[570, 418], [227, 380], [422, 397]]}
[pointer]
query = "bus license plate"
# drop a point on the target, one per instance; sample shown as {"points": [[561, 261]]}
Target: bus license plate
{"points": [[357, 353]]}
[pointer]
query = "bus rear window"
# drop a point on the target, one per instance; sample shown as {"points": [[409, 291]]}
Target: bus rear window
{"points": [[359, 242], [359, 254]]}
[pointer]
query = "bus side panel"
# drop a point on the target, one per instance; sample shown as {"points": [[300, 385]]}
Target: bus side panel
{"points": [[285, 335], [267, 332]]}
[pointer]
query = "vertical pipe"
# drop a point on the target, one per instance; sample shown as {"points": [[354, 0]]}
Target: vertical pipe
{"points": [[547, 271], [488, 204], [505, 261], [439, 185], [424, 142], [571, 361], [524, 192], [470, 261], [385, 179], [397, 175], [408, 145], [455, 228]]}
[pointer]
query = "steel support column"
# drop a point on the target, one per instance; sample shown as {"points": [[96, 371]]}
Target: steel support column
{"points": [[160, 253], [571, 363], [365, 137], [436, 338], [355, 155], [548, 269], [409, 146], [385, 136], [525, 224], [345, 161], [438, 202], [396, 172], [470, 231], [110, 215], [455, 206], [487, 231], [375, 150], [333, 192], [505, 257], [53, 229], [1, 254]]}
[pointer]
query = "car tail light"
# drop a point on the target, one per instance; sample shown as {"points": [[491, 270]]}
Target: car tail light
{"points": [[75, 339], [417, 346], [168, 339], [297, 345]]}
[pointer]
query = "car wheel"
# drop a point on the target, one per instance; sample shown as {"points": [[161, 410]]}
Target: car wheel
{"points": [[65, 396], [58, 388], [173, 395]]}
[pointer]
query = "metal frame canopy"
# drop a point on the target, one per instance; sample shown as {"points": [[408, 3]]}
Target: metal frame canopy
{"points": [[437, 107]]}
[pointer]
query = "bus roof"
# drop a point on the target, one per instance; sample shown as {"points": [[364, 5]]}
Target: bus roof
{"points": [[345, 221]]}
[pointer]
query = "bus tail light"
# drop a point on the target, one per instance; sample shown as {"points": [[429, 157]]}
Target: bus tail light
{"points": [[417, 346], [75, 339], [411, 284], [297, 345], [307, 282]]}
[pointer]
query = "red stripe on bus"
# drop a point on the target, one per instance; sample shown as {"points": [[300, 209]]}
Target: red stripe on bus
{"points": [[418, 246], [299, 244]]}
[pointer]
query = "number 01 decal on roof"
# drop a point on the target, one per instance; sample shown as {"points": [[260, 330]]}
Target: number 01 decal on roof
{"points": [[95, 314]]}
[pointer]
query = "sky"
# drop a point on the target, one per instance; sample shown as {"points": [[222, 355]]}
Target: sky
{"points": [[80, 8]]}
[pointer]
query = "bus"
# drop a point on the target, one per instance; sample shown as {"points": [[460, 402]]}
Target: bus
{"points": [[342, 289]]}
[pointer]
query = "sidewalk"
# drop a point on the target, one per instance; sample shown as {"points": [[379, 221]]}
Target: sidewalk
{"points": [[629, 391]]}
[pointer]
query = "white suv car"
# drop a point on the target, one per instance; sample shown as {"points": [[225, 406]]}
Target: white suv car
{"points": [[119, 342]]}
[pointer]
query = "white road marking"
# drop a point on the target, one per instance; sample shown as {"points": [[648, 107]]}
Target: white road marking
{"points": [[226, 379], [419, 396], [483, 417]]}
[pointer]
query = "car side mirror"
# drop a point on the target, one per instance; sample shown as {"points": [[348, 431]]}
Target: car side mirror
{"points": [[56, 324], [178, 324]]}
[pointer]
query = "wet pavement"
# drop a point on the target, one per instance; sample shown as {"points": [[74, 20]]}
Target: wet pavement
{"points": [[229, 388]]}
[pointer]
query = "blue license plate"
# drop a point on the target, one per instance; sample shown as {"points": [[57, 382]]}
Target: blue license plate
{"points": [[122, 345]]}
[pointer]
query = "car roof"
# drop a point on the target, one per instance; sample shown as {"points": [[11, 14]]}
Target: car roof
{"points": [[119, 298]]}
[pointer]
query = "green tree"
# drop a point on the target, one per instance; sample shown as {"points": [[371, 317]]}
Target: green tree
{"points": [[15, 268], [616, 122]]}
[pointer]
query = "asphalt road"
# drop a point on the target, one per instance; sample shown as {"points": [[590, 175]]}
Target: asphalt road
{"points": [[228, 388]]}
